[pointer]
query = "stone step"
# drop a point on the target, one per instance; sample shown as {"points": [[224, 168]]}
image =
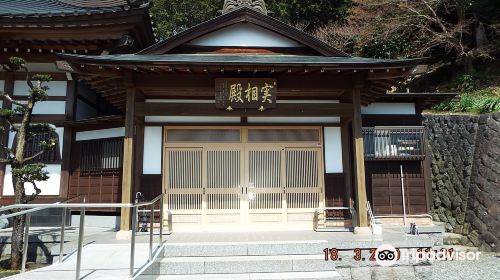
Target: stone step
{"points": [[320, 275], [224, 249], [240, 265]]}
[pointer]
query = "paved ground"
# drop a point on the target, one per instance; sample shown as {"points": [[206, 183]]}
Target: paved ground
{"points": [[108, 258], [486, 268], [99, 262]]}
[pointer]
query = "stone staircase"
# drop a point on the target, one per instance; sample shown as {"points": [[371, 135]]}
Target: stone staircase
{"points": [[243, 260]]}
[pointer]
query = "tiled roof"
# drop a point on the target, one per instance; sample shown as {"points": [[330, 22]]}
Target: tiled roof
{"points": [[47, 8], [243, 59]]}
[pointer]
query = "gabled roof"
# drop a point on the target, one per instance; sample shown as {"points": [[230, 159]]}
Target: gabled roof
{"points": [[249, 15]]}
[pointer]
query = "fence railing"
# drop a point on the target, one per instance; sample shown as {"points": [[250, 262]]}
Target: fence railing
{"points": [[31, 208], [393, 143]]}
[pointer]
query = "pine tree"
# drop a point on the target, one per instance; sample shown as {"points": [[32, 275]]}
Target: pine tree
{"points": [[25, 169]]}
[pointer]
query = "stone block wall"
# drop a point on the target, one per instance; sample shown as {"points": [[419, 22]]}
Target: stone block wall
{"points": [[465, 163]]}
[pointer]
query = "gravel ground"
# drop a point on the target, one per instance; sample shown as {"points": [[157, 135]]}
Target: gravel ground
{"points": [[486, 268]]}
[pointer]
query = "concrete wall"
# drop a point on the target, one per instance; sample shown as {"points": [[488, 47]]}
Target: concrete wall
{"points": [[465, 164]]}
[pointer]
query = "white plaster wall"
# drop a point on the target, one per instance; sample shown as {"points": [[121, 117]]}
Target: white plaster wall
{"points": [[294, 120], [100, 134], [56, 88], [389, 109], [60, 134], [49, 187], [48, 107], [152, 150], [244, 35], [333, 150], [174, 119]]}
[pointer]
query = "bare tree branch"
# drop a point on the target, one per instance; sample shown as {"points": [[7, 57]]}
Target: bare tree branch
{"points": [[33, 195], [27, 159], [6, 96]]}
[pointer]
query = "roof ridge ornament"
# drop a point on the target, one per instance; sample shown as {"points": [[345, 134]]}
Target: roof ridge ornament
{"points": [[231, 5]]}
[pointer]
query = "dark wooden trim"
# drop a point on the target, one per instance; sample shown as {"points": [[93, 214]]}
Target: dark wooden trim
{"points": [[44, 118], [56, 76], [49, 98], [346, 161], [139, 155], [198, 109]]}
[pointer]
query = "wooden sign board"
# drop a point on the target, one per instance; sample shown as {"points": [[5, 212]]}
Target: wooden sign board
{"points": [[245, 93]]}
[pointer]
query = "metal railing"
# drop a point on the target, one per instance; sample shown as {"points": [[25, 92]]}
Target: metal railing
{"points": [[388, 143], [83, 206], [322, 212]]}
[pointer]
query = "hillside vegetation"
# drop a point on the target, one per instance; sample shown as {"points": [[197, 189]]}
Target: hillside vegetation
{"points": [[459, 37]]}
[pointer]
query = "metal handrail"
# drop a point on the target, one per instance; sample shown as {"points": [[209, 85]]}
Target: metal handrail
{"points": [[37, 207]]}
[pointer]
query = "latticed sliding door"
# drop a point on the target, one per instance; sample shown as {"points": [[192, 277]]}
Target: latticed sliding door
{"points": [[303, 186], [265, 183], [184, 182], [224, 185]]}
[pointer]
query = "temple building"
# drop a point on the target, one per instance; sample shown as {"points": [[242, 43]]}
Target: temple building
{"points": [[243, 122]]}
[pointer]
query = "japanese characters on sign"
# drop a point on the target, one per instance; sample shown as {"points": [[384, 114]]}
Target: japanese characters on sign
{"points": [[245, 93]]}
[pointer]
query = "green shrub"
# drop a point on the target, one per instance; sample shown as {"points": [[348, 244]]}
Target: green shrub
{"points": [[481, 103], [488, 104]]}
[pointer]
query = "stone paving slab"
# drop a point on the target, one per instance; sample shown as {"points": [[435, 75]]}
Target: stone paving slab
{"points": [[99, 262]]}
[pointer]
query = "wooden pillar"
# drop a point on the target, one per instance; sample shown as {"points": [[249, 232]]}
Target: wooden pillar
{"points": [[359, 160], [67, 140], [128, 158], [346, 160], [139, 155]]}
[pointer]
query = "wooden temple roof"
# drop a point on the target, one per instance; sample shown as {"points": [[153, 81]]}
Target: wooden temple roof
{"points": [[22, 9], [77, 26], [175, 68]]}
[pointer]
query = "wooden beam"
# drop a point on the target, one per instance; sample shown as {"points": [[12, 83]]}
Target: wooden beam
{"points": [[359, 160], [208, 109], [67, 139], [128, 158]]}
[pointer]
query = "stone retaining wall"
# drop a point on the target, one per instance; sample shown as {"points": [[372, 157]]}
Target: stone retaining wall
{"points": [[465, 163]]}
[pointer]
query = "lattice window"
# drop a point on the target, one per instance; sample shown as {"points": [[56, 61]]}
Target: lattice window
{"points": [[101, 156], [33, 147]]}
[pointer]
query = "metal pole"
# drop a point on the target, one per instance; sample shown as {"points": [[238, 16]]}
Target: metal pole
{"points": [[26, 241], [132, 243], [161, 220], [63, 226], [80, 243], [151, 223], [403, 194]]}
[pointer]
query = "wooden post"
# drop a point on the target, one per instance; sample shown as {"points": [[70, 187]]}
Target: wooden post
{"points": [[346, 161], [359, 162], [64, 191], [128, 158]]}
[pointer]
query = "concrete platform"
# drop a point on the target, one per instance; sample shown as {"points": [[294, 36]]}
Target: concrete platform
{"points": [[243, 254], [99, 262]]}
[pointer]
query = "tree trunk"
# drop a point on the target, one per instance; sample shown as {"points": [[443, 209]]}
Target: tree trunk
{"points": [[16, 247]]}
